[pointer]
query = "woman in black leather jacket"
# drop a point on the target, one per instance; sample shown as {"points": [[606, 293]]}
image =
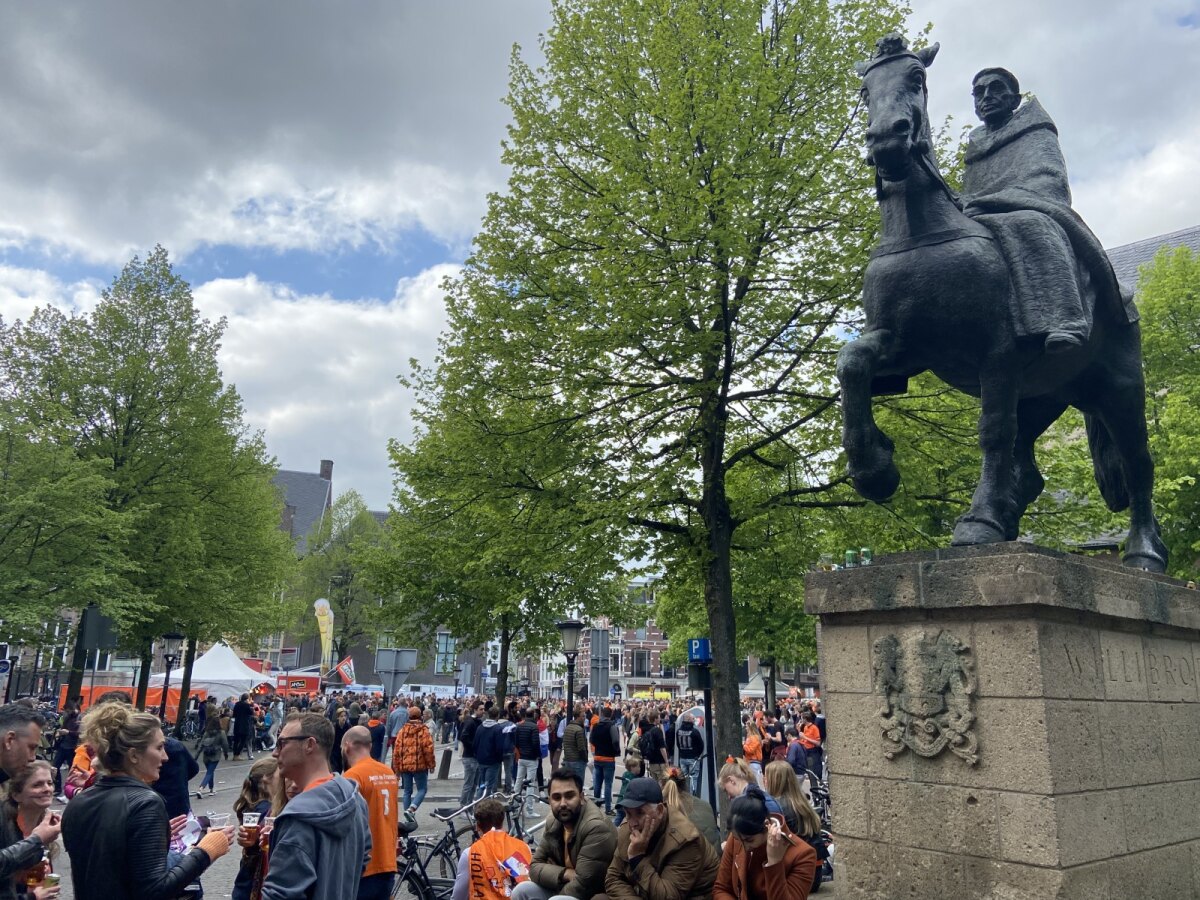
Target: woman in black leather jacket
{"points": [[116, 832]]}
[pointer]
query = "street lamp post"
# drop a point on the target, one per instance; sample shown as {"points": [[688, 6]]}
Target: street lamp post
{"points": [[171, 644], [570, 630], [766, 671], [457, 676]]}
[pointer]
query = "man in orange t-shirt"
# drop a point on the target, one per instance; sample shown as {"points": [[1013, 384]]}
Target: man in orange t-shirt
{"points": [[380, 788]]}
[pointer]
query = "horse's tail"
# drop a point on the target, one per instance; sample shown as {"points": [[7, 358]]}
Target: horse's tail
{"points": [[1106, 463]]}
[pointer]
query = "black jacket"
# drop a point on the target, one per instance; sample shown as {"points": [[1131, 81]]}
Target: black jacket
{"points": [[526, 740], [116, 835], [172, 785], [606, 739], [466, 735]]}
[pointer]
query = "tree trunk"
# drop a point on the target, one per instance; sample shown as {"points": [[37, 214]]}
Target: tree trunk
{"points": [[502, 672], [143, 684], [185, 686]]}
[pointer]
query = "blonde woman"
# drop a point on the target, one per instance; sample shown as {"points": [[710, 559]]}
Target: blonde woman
{"points": [[676, 788], [116, 832]]}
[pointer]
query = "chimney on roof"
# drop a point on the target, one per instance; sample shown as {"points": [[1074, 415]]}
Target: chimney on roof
{"points": [[327, 469]]}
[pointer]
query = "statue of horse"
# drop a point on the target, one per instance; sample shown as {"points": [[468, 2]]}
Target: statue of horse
{"points": [[938, 297]]}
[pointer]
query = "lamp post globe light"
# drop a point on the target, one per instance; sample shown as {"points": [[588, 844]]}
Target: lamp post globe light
{"points": [[570, 631], [172, 641]]}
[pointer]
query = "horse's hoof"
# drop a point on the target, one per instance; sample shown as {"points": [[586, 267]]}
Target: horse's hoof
{"points": [[971, 530], [1145, 562], [1145, 550], [877, 484]]}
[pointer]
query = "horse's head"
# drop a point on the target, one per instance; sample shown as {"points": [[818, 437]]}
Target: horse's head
{"points": [[894, 91]]}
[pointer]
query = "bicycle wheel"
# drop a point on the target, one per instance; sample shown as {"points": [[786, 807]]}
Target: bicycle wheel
{"points": [[438, 857], [408, 886]]}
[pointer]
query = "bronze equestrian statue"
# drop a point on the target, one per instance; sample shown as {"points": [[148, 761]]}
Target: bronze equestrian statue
{"points": [[1004, 294]]}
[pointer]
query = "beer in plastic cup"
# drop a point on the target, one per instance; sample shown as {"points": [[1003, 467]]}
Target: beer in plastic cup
{"points": [[250, 823]]}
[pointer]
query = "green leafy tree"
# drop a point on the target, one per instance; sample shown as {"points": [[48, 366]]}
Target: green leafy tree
{"points": [[666, 275], [1170, 309], [134, 389], [487, 538], [60, 544]]}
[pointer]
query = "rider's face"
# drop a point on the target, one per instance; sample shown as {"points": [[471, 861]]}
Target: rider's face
{"points": [[995, 99]]}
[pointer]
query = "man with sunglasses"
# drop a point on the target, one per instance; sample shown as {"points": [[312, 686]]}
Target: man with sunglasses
{"points": [[326, 821]]}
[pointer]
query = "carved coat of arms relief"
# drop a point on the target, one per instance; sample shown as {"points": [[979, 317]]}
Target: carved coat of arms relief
{"points": [[926, 679]]}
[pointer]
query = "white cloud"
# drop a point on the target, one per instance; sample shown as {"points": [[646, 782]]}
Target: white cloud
{"points": [[24, 290], [274, 125], [318, 374]]}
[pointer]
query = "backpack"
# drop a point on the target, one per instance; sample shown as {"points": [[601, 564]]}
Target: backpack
{"points": [[779, 751], [631, 745]]}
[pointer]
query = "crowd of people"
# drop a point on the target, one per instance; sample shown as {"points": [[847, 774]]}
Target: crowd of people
{"points": [[321, 815]]}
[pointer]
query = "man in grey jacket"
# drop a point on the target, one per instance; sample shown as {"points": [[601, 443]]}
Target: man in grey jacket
{"points": [[325, 822]]}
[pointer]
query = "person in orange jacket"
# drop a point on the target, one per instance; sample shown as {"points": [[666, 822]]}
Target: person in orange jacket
{"points": [[412, 760]]}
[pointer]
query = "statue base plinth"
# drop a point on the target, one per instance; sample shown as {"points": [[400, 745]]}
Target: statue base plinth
{"points": [[1010, 722]]}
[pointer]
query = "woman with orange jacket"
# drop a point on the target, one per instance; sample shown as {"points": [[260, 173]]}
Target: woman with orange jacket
{"points": [[762, 859]]}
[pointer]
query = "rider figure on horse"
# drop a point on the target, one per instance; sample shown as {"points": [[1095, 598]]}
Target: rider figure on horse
{"points": [[1016, 185]]}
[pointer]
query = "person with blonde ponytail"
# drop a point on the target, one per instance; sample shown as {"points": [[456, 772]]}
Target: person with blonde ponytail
{"points": [[677, 794], [117, 832]]}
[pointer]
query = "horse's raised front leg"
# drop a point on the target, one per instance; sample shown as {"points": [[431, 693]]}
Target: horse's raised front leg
{"points": [[868, 450], [993, 503]]}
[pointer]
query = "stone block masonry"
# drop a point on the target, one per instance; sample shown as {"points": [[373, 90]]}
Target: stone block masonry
{"points": [[1011, 722]]}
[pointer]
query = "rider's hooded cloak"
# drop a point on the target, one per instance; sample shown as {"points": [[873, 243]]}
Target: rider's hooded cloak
{"points": [[1015, 183]]}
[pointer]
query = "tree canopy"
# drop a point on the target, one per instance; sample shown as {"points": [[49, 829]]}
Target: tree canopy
{"points": [[134, 392], [664, 282]]}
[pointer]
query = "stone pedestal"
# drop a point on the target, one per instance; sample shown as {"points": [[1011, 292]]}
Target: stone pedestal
{"points": [[1011, 722]]}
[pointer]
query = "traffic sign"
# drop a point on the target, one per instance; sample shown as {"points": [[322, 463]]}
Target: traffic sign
{"points": [[699, 650], [5, 666]]}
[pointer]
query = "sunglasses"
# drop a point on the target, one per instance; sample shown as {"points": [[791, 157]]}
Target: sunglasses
{"points": [[296, 737]]}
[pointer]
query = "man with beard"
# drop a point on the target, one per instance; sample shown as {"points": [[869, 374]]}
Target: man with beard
{"points": [[576, 848]]}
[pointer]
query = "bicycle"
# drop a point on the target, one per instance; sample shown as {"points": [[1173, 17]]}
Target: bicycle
{"points": [[441, 856], [820, 797], [413, 881]]}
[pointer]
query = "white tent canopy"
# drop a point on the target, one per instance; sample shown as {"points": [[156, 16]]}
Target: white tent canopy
{"points": [[754, 688], [219, 671]]}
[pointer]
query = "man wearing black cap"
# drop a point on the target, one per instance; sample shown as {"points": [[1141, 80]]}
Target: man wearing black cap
{"points": [[660, 855]]}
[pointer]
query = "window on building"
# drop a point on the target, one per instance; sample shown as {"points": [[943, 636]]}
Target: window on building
{"points": [[640, 633], [641, 663], [744, 671], [668, 672], [446, 653], [614, 662]]}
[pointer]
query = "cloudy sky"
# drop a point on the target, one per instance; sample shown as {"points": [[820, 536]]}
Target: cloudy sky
{"points": [[316, 169]]}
